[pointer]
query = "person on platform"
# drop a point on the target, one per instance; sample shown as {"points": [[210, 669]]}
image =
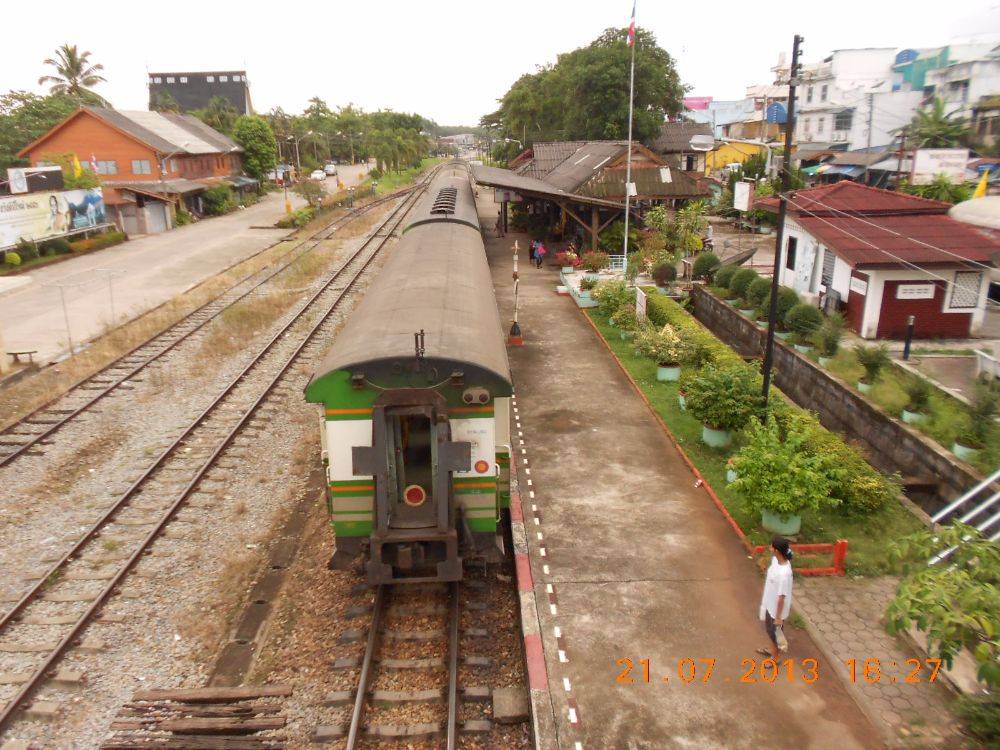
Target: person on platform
{"points": [[776, 601], [540, 252]]}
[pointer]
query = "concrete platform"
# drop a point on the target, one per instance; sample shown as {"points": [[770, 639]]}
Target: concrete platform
{"points": [[629, 559]]}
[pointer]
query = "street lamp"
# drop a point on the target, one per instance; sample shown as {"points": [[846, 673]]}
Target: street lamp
{"points": [[298, 162]]}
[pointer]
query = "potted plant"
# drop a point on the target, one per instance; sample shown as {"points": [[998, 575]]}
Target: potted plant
{"points": [[803, 321], [738, 286], [918, 395], [593, 262], [682, 386], [705, 266], [626, 320], [664, 274], [787, 299], [730, 471], [759, 289], [779, 476], [980, 426], [568, 260], [611, 295], [664, 347], [873, 359], [587, 285], [723, 278], [723, 399], [827, 338]]}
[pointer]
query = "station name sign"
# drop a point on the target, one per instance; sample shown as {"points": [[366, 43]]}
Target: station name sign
{"points": [[506, 196], [915, 291]]}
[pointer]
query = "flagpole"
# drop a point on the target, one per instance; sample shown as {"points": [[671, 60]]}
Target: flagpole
{"points": [[628, 163]]}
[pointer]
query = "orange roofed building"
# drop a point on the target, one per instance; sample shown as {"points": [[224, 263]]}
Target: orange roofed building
{"points": [[148, 162]]}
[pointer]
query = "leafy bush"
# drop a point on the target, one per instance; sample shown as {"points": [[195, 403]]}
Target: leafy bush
{"points": [[918, 394], [724, 276], [726, 397], [664, 274], [298, 218], [27, 249], [705, 266], [873, 359], [610, 295], [981, 421], [661, 310], [107, 239], [376, 173], [803, 319], [587, 284], [625, 318], [741, 281], [218, 200], [759, 289], [182, 218], [663, 346], [774, 472], [12, 259], [981, 716], [595, 261], [787, 299], [828, 336], [567, 258], [56, 246]]}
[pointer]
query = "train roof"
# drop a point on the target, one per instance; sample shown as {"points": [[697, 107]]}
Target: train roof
{"points": [[447, 200], [436, 279]]}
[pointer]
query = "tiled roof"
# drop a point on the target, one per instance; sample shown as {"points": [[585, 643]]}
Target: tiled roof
{"points": [[547, 155], [855, 198], [852, 239], [580, 165], [676, 136]]}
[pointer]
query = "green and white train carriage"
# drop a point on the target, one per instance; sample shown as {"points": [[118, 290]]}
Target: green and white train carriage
{"points": [[415, 397]]}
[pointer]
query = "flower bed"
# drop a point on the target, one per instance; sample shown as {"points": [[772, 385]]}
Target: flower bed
{"points": [[865, 532]]}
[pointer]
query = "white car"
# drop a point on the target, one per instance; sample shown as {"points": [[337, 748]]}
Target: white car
{"points": [[317, 174], [330, 169]]}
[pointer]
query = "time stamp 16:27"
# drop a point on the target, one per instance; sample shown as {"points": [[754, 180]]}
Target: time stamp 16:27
{"points": [[768, 671]]}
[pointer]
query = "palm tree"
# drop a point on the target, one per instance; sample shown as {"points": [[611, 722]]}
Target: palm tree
{"points": [[76, 74], [934, 128]]}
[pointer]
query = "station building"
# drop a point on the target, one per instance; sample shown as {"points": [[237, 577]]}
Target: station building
{"points": [[880, 256]]}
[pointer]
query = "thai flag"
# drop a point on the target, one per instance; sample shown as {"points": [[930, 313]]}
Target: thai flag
{"points": [[93, 164], [631, 27]]}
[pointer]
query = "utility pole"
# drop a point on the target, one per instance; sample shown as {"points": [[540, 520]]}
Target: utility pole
{"points": [[871, 115], [786, 184], [899, 162]]}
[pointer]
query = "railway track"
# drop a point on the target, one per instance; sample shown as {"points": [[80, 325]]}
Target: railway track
{"points": [[30, 431], [77, 588]]}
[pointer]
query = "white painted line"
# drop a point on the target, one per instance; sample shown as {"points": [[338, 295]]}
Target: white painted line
{"points": [[524, 451], [566, 684], [525, 461], [537, 522], [541, 551], [520, 434], [572, 716], [527, 471], [545, 569], [562, 656], [539, 536], [548, 588], [534, 508], [557, 631], [531, 494], [578, 746], [552, 608], [521, 442], [529, 482]]}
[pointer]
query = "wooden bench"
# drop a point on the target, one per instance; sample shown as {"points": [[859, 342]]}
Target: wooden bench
{"points": [[29, 353]]}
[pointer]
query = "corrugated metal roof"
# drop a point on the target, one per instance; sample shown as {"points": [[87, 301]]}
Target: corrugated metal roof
{"points": [[676, 136], [183, 134], [177, 186], [192, 124], [120, 120], [849, 238], [859, 158], [507, 180], [855, 198], [650, 182], [580, 165], [182, 138], [548, 155]]}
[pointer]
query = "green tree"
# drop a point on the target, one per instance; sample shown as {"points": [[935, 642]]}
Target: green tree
{"points": [[219, 114], [24, 117], [162, 101], [75, 74], [955, 602], [934, 128], [941, 188], [260, 151], [585, 94]]}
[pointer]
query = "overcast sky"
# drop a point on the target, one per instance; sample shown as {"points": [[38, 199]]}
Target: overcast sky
{"points": [[448, 59]]}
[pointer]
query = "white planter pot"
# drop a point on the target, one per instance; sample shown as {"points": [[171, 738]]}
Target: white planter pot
{"points": [[964, 452], [913, 417], [668, 374], [865, 387], [567, 269], [715, 438], [825, 361]]}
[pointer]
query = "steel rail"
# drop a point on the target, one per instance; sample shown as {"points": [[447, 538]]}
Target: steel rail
{"points": [[42, 672], [364, 679], [36, 438], [453, 639]]}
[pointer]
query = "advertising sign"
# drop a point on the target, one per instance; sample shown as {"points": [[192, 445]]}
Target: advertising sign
{"points": [[32, 179], [500, 196], [928, 163], [915, 291], [743, 195], [38, 216]]}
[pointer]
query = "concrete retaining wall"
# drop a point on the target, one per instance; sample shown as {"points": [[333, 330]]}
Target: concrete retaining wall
{"points": [[890, 445]]}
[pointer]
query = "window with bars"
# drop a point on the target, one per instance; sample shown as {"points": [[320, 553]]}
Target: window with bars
{"points": [[829, 263], [141, 166], [965, 290], [843, 120], [107, 166]]}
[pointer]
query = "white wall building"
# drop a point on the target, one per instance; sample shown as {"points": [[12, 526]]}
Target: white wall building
{"points": [[961, 84]]}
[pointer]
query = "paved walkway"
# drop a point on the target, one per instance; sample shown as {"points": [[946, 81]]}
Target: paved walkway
{"points": [[631, 560], [143, 273]]}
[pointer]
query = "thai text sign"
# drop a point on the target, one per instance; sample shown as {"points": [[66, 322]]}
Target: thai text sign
{"points": [[39, 216], [859, 286], [928, 163], [915, 291]]}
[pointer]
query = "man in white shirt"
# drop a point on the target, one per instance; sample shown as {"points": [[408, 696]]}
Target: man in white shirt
{"points": [[776, 602]]}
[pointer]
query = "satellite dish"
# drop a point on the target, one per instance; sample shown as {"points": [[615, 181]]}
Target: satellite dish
{"points": [[702, 142]]}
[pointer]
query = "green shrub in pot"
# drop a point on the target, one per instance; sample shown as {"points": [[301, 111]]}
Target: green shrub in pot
{"points": [[918, 396], [787, 299], [724, 277], [705, 266], [980, 427], [828, 337], [803, 320], [741, 281], [759, 289], [595, 261], [612, 294], [873, 359], [723, 399]]}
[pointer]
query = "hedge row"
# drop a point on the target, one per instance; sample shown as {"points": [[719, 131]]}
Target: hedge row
{"points": [[96, 243], [661, 310]]}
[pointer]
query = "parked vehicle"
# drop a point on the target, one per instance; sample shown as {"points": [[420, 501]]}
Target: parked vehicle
{"points": [[330, 169], [317, 174]]}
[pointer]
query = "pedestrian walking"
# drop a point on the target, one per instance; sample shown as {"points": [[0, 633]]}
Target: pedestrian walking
{"points": [[534, 247], [540, 252], [776, 601]]}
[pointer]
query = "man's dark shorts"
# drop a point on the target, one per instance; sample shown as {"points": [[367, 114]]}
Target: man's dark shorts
{"points": [[769, 627]]}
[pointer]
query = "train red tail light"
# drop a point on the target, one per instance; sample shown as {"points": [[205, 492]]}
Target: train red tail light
{"points": [[414, 495]]}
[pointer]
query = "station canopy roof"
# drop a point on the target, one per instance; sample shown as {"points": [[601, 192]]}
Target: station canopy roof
{"points": [[532, 187]]}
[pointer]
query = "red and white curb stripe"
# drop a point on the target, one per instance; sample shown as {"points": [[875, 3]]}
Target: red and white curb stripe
{"points": [[522, 523]]}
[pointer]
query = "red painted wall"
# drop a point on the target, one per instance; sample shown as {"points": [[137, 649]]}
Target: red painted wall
{"points": [[931, 322]]}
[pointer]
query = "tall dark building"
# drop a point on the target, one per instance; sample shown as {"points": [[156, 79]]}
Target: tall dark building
{"points": [[195, 90]]}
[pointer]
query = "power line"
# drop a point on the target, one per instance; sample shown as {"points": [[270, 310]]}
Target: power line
{"points": [[857, 217]]}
